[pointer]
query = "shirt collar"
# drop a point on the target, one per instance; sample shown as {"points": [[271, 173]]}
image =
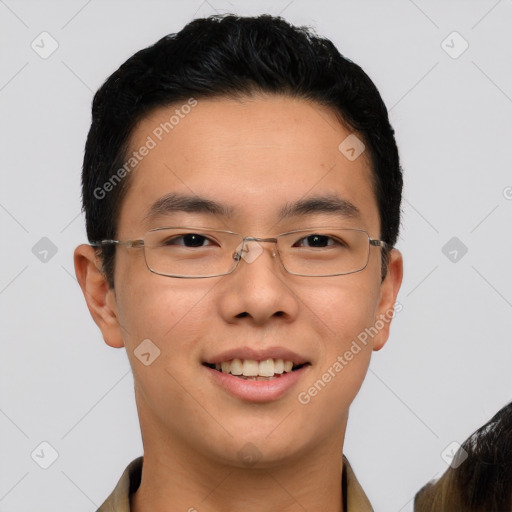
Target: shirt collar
{"points": [[119, 500]]}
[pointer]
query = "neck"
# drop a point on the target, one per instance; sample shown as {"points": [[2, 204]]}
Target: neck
{"points": [[175, 476]]}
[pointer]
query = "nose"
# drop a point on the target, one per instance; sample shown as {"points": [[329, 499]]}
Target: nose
{"points": [[257, 289]]}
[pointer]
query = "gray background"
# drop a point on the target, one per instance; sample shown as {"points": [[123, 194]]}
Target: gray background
{"points": [[446, 367]]}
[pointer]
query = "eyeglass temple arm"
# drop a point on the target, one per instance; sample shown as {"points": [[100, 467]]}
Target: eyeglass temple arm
{"points": [[128, 243], [380, 243]]}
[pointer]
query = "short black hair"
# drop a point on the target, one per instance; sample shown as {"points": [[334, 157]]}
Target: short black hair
{"points": [[231, 56]]}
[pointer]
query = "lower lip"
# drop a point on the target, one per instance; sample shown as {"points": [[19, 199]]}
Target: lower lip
{"points": [[257, 390]]}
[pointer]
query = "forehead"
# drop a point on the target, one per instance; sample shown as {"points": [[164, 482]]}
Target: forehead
{"points": [[257, 156]]}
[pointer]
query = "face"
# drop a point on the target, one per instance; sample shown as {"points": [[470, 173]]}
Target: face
{"points": [[253, 156]]}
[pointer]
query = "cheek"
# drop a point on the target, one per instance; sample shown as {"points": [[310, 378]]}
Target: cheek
{"points": [[165, 310], [341, 307], [173, 315], [343, 312]]}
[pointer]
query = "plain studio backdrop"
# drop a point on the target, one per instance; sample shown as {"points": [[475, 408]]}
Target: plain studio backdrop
{"points": [[444, 71]]}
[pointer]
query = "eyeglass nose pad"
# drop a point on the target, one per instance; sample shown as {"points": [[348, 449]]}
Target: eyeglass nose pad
{"points": [[238, 253]]}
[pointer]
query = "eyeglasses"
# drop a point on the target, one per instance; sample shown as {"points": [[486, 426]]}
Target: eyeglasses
{"points": [[191, 252]]}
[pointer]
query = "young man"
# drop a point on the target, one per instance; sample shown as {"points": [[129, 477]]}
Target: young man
{"points": [[242, 190]]}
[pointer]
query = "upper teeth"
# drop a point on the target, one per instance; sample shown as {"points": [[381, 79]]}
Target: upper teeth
{"points": [[252, 368]]}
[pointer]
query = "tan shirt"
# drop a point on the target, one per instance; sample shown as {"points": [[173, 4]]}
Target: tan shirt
{"points": [[119, 500]]}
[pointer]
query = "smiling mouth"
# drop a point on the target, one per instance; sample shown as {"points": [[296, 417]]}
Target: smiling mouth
{"points": [[250, 369]]}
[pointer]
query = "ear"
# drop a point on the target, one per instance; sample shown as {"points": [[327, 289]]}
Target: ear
{"points": [[386, 309], [100, 299]]}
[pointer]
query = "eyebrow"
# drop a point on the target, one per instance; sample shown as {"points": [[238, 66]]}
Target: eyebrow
{"points": [[330, 204], [183, 203]]}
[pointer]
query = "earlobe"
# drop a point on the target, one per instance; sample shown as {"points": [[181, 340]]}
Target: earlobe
{"points": [[99, 297], [388, 294]]}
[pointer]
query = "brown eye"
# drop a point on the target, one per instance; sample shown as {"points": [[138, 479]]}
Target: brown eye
{"points": [[187, 240], [319, 241]]}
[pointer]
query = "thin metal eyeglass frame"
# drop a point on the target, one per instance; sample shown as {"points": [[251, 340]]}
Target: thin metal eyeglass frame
{"points": [[237, 256]]}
